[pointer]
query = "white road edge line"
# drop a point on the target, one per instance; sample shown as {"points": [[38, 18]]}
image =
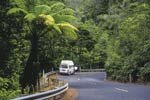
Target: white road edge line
{"points": [[122, 90]]}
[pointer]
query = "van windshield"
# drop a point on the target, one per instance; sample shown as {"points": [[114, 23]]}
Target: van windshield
{"points": [[64, 66]]}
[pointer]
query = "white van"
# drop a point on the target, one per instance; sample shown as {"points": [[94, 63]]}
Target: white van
{"points": [[67, 67]]}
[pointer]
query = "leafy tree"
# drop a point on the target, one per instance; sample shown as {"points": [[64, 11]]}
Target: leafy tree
{"points": [[42, 20], [14, 50], [125, 37]]}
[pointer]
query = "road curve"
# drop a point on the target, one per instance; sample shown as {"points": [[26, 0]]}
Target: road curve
{"points": [[92, 86]]}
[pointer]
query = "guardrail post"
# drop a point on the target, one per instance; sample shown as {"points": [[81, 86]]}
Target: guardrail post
{"points": [[130, 78], [48, 82]]}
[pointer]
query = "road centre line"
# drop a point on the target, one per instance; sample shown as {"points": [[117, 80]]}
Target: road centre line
{"points": [[119, 89]]}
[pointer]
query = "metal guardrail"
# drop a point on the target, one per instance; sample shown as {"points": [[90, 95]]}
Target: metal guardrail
{"points": [[92, 70], [45, 95], [48, 79]]}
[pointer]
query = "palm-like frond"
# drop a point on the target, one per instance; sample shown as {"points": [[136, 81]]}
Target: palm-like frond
{"points": [[68, 30], [16, 10], [66, 11], [19, 3], [53, 16], [57, 7], [64, 18], [42, 9], [48, 19], [57, 28], [69, 33], [30, 17], [67, 25]]}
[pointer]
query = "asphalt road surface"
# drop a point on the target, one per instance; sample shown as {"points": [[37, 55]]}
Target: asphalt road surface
{"points": [[93, 86]]}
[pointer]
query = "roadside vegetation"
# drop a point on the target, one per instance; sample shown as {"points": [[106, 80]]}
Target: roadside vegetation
{"points": [[35, 35], [120, 37]]}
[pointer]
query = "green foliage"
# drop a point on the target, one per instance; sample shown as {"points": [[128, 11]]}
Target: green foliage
{"points": [[30, 17], [128, 37], [8, 92], [28, 26], [16, 10], [38, 34], [121, 34], [14, 51], [145, 74], [57, 7], [42, 20]]}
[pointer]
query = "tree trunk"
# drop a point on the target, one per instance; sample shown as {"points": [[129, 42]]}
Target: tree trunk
{"points": [[30, 74]]}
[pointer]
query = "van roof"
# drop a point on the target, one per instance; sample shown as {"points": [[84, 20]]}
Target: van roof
{"points": [[70, 62]]}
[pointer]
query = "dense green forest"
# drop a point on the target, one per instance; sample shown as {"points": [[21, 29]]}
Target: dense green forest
{"points": [[120, 37], [35, 35]]}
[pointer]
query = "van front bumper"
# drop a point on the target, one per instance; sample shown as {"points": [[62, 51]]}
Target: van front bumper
{"points": [[63, 71]]}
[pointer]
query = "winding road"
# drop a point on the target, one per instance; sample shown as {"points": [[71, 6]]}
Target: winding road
{"points": [[93, 86]]}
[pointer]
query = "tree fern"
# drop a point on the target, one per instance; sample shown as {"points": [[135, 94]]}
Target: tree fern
{"points": [[69, 33], [19, 3], [42, 9], [48, 19], [30, 17], [57, 28], [67, 25], [57, 7], [16, 10], [68, 30], [64, 18], [66, 11]]}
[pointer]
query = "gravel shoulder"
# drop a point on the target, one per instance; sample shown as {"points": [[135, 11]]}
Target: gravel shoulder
{"points": [[71, 94]]}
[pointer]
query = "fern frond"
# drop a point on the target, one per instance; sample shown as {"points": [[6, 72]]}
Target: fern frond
{"points": [[69, 33], [64, 18], [57, 7], [57, 28], [20, 3], [67, 25], [48, 19], [42, 9], [16, 10], [66, 11], [30, 17]]}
